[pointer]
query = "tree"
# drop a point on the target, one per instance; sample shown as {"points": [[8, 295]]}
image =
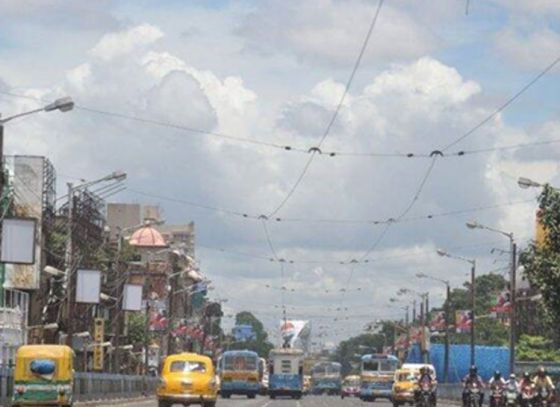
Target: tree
{"points": [[260, 344], [536, 349], [137, 328], [542, 261], [488, 331]]}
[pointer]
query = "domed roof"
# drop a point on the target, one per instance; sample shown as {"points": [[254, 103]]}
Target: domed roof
{"points": [[147, 236]]}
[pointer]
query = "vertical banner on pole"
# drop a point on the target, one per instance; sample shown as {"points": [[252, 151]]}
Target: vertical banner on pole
{"points": [[98, 337]]}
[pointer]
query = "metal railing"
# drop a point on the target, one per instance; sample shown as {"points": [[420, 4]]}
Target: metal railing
{"points": [[91, 386]]}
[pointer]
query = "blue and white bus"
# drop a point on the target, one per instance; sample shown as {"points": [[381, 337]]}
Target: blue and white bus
{"points": [[286, 373], [377, 374], [326, 378], [239, 373]]}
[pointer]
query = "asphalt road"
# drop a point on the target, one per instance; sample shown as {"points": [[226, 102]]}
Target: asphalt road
{"points": [[308, 401]]}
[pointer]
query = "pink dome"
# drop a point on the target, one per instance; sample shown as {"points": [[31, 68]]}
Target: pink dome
{"points": [[147, 236]]}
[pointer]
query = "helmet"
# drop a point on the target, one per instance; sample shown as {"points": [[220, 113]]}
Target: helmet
{"points": [[512, 376], [473, 370], [526, 375], [497, 375], [541, 371]]}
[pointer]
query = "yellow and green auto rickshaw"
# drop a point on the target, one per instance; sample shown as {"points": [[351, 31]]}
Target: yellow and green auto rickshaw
{"points": [[44, 375]]}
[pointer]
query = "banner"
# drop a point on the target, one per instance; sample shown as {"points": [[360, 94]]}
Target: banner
{"points": [[401, 342], [27, 182], [438, 322], [463, 321], [503, 303], [295, 332]]}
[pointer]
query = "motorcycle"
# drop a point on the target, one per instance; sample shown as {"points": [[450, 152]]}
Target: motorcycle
{"points": [[424, 398], [511, 395], [473, 396], [527, 396], [542, 397], [497, 396]]}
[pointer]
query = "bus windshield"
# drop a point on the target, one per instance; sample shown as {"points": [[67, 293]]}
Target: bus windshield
{"points": [[379, 365]]}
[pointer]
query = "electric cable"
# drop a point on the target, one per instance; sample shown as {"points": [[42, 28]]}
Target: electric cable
{"points": [[327, 131], [506, 104]]}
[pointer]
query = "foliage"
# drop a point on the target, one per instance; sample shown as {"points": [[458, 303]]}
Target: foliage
{"points": [[137, 327], [487, 330], [542, 263], [261, 345], [537, 349], [349, 352]]}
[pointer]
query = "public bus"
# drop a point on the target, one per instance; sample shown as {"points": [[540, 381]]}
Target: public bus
{"points": [[377, 374], [239, 373], [286, 373], [326, 378]]}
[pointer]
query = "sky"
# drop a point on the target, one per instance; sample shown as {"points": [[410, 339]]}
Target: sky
{"points": [[196, 101]]}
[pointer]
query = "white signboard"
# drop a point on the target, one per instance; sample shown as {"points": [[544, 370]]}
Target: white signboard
{"points": [[18, 240], [132, 297], [88, 286]]}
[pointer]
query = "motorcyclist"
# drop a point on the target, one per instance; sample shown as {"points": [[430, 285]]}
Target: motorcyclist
{"points": [[543, 381], [513, 381], [426, 378], [526, 387], [496, 382], [470, 379]]}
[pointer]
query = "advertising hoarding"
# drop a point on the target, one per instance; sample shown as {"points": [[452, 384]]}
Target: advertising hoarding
{"points": [[26, 176]]}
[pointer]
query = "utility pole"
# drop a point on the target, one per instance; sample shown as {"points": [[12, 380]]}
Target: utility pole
{"points": [[447, 324], [473, 303], [513, 313], [69, 260]]}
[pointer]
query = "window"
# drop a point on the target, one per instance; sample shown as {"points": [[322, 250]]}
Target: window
{"points": [[187, 366], [240, 363], [42, 367], [372, 366]]}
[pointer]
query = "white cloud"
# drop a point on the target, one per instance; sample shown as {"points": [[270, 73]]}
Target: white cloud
{"points": [[531, 50], [332, 31], [121, 43], [536, 7]]}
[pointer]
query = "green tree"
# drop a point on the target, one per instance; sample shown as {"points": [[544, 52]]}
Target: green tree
{"points": [[542, 262], [260, 344], [137, 328], [488, 331], [536, 349]]}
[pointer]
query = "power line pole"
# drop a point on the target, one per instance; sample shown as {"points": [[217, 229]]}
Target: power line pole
{"points": [[69, 260], [473, 303], [513, 314], [447, 324]]}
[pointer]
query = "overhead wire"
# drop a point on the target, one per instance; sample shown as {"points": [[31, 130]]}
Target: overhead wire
{"points": [[334, 116], [503, 106]]}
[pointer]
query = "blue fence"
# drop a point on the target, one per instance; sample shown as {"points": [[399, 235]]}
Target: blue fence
{"points": [[488, 360]]}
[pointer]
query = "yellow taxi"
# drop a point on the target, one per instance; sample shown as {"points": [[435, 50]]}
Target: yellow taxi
{"points": [[187, 378], [405, 383]]}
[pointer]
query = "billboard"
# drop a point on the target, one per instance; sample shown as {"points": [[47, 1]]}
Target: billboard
{"points": [[295, 333], [463, 321], [26, 174], [438, 323]]}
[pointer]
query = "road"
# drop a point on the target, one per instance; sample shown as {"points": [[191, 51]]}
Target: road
{"points": [[309, 401]]}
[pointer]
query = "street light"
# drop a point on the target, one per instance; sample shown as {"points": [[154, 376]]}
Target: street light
{"points": [[64, 104], [447, 319], [472, 262], [512, 282], [526, 183]]}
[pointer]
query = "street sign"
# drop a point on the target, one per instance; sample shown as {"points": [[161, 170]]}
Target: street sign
{"points": [[98, 337]]}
